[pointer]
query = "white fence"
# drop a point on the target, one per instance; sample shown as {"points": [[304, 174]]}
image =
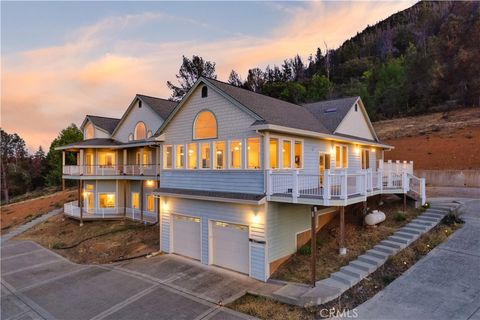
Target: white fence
{"points": [[72, 209]]}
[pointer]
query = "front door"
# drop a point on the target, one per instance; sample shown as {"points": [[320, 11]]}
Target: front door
{"points": [[89, 202], [89, 163], [323, 164]]}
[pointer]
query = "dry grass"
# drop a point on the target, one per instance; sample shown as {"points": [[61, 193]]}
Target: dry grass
{"points": [[358, 239], [264, 308], [96, 241]]}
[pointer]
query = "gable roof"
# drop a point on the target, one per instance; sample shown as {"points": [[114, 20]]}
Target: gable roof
{"points": [[161, 106], [105, 123], [331, 112]]}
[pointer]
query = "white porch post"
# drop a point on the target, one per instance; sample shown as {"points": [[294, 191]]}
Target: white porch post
{"points": [[63, 169], [344, 185], [269, 183], [295, 192], [326, 186], [389, 174], [266, 163], [81, 161], [125, 159]]}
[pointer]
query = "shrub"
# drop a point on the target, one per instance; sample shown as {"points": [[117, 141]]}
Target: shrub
{"points": [[399, 217], [305, 250], [58, 245], [451, 219]]}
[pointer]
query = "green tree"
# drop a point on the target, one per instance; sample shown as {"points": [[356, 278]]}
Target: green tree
{"points": [[319, 88], [68, 135], [189, 72]]}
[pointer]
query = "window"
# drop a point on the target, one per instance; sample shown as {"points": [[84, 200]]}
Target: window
{"points": [[135, 200], [106, 159], [147, 156], [192, 156], [205, 126], [107, 200], [219, 155], [235, 154], [356, 107], [287, 154], [253, 153], [150, 203], [298, 155], [273, 153], [89, 131], [365, 159], [204, 92], [179, 156], [140, 132], [205, 155], [341, 156], [167, 157]]}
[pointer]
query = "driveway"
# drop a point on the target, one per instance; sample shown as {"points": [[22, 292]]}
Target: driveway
{"points": [[443, 285], [39, 284]]}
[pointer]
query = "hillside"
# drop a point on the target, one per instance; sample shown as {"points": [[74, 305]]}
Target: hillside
{"points": [[442, 140]]}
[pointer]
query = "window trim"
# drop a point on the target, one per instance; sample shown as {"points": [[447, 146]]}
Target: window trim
{"points": [[341, 146], [146, 202], [209, 155], [187, 155], [259, 153], [292, 140], [135, 137], [107, 193], [230, 154], [164, 150], [194, 138], [225, 151]]}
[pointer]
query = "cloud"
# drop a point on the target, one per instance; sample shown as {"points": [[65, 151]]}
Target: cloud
{"points": [[96, 71]]}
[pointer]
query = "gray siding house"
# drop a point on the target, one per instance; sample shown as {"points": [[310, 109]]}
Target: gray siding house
{"points": [[232, 176]]}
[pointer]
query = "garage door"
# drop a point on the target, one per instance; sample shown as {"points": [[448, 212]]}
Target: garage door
{"points": [[186, 236], [230, 246]]}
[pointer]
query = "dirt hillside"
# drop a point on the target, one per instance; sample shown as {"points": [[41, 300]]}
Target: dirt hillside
{"points": [[443, 140]]}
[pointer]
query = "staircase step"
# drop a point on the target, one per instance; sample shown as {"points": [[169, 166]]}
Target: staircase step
{"points": [[397, 239], [439, 214], [391, 244], [433, 216], [367, 267], [345, 278], [425, 223], [415, 227], [428, 219], [410, 230], [335, 283], [404, 235], [371, 260], [354, 272], [386, 249], [377, 254]]}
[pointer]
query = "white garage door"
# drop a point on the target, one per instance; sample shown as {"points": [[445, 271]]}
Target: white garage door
{"points": [[186, 236], [230, 246]]}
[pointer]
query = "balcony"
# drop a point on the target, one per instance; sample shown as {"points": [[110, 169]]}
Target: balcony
{"points": [[72, 210], [112, 170], [343, 188]]}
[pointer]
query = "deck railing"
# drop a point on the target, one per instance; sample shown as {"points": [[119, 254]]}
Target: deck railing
{"points": [[112, 170], [72, 209]]}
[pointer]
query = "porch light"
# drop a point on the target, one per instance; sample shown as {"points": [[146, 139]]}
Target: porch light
{"points": [[236, 148], [373, 150], [255, 218], [84, 193], [219, 152], [190, 151], [149, 183]]}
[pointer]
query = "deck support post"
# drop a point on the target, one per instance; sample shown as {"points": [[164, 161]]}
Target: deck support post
{"points": [[141, 200], [404, 202], [124, 199], [313, 246], [365, 209], [63, 166], [343, 250], [80, 200]]}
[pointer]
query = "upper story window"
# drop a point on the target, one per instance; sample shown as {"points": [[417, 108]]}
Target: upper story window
{"points": [[204, 92], [205, 126], [140, 132], [341, 157], [89, 131]]}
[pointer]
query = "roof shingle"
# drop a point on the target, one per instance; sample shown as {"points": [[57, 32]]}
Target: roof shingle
{"points": [[162, 107], [331, 112], [105, 123]]}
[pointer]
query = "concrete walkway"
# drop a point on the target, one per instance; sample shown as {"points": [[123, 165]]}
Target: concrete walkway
{"points": [[333, 287], [443, 285]]}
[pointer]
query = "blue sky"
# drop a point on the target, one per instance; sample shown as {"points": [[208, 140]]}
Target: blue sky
{"points": [[62, 60]]}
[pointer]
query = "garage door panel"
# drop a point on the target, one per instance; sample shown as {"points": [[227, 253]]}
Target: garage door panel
{"points": [[186, 236], [230, 246]]}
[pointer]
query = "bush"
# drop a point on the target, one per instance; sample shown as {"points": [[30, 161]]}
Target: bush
{"points": [[305, 250], [451, 219], [58, 245], [399, 217]]}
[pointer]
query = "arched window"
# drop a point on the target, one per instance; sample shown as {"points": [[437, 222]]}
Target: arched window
{"points": [[140, 132], [205, 126], [89, 131]]}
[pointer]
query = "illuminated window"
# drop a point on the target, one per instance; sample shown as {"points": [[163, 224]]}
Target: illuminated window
{"points": [[147, 156], [273, 153], [135, 200], [365, 159], [235, 154], [219, 155], [140, 132], [89, 131], [179, 156], [341, 157], [298, 155], [192, 156], [167, 157], [107, 200], [150, 203], [205, 155], [287, 154], [106, 159], [205, 126], [253, 153]]}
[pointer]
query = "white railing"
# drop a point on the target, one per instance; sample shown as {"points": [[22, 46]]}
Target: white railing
{"points": [[72, 209], [113, 170], [417, 186]]}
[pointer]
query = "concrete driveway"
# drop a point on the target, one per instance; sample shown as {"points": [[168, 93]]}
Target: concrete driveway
{"points": [[39, 284], [443, 285]]}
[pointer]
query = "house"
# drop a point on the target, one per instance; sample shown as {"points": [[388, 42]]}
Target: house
{"points": [[233, 177]]}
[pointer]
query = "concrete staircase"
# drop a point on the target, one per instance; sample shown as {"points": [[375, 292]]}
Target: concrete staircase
{"points": [[328, 289]]}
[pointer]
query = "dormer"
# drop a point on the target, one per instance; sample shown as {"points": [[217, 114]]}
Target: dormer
{"points": [[96, 127]]}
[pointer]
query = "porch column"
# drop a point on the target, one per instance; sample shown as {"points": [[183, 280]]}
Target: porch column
{"points": [[343, 250], [81, 161], [141, 199], [313, 246], [80, 201], [141, 160], [125, 159], [124, 199], [63, 167]]}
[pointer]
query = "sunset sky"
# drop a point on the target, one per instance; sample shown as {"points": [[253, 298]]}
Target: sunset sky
{"points": [[62, 60]]}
